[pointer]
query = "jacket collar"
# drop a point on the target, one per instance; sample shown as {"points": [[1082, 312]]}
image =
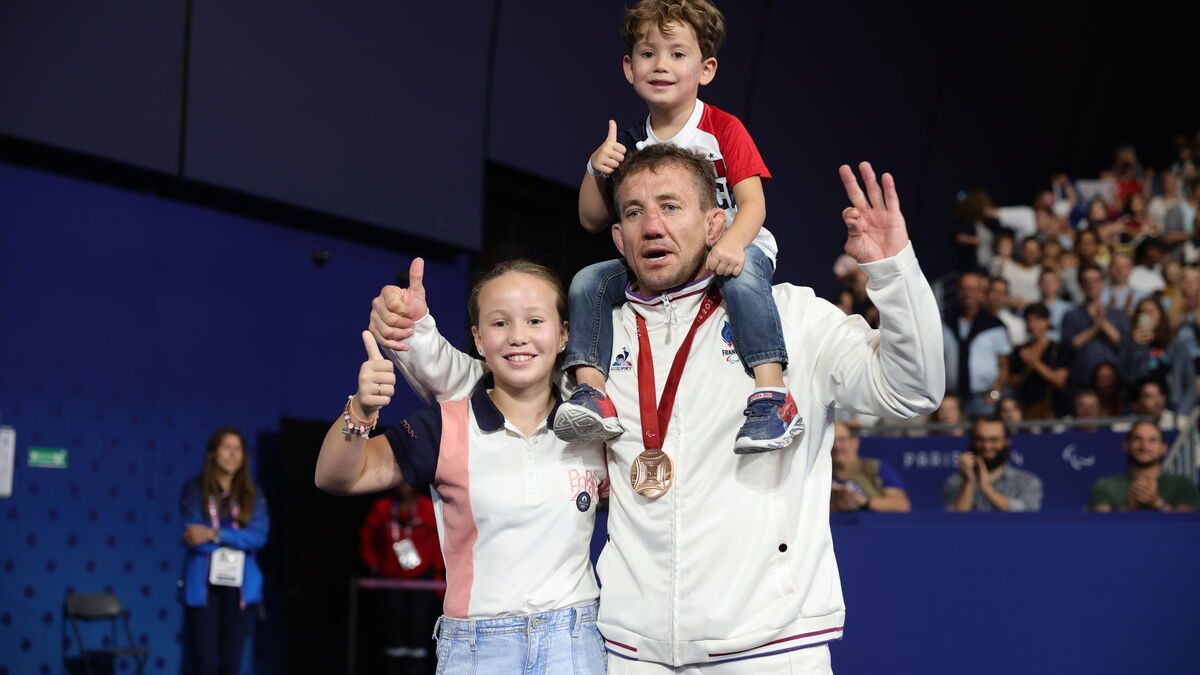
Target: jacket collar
{"points": [[488, 416]]}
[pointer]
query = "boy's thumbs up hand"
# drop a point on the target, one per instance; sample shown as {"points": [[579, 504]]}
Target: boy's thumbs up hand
{"points": [[610, 154]]}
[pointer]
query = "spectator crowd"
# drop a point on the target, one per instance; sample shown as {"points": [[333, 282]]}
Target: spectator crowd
{"points": [[1080, 305]]}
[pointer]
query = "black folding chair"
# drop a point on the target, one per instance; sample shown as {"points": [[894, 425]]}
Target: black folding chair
{"points": [[92, 607]]}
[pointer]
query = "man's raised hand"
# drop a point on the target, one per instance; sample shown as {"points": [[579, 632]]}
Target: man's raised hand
{"points": [[875, 227]]}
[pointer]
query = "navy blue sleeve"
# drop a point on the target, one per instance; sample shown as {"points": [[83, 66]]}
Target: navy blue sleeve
{"points": [[631, 136], [416, 442], [628, 137]]}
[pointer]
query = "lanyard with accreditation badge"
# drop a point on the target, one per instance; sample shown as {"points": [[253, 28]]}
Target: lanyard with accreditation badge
{"points": [[226, 565], [652, 473]]}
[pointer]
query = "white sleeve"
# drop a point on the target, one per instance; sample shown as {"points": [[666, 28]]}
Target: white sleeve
{"points": [[1022, 220], [435, 369], [897, 371]]}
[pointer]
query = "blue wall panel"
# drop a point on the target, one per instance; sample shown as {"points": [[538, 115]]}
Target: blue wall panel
{"points": [[1018, 593], [1067, 463], [131, 327]]}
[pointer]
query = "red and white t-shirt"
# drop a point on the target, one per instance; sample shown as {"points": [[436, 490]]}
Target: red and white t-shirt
{"points": [[723, 139]]}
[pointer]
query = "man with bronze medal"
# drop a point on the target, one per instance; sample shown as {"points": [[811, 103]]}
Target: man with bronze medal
{"points": [[748, 584]]}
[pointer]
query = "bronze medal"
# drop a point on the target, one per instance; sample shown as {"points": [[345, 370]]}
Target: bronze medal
{"points": [[652, 474]]}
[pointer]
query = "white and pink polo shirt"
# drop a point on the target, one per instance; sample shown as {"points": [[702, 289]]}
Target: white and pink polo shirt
{"points": [[515, 513]]}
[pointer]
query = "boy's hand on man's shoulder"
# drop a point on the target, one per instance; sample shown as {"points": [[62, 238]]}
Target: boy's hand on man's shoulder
{"points": [[725, 258]]}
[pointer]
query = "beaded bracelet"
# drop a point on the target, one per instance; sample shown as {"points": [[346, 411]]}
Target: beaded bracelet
{"points": [[355, 425]]}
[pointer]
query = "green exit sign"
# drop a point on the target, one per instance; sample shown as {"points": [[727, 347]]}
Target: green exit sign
{"points": [[48, 458]]}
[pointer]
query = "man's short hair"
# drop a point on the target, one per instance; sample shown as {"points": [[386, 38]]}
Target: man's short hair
{"points": [[990, 419], [1037, 309], [1143, 383], [1152, 425], [661, 155], [1087, 267], [1149, 244], [971, 273], [704, 18]]}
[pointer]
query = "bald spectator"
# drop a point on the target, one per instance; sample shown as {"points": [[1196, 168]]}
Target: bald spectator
{"points": [[862, 484], [985, 481], [976, 348], [1144, 486]]}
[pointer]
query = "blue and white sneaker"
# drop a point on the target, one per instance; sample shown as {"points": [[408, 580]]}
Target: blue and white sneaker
{"points": [[587, 416], [772, 422]]}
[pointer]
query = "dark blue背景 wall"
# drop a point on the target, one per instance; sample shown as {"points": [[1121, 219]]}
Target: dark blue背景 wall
{"points": [[362, 111], [991, 594], [1002, 593], [130, 328]]}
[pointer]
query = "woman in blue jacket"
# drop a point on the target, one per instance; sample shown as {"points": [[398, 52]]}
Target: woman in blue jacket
{"points": [[225, 521]]}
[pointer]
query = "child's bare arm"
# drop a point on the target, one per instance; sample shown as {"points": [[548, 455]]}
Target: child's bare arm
{"points": [[593, 207], [594, 214]]}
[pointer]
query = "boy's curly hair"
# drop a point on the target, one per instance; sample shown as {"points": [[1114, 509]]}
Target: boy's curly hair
{"points": [[704, 18]]}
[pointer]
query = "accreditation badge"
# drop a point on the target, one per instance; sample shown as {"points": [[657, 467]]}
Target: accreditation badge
{"points": [[226, 566], [406, 554]]}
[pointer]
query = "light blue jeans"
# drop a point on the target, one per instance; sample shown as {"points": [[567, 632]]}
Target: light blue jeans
{"points": [[561, 642]]}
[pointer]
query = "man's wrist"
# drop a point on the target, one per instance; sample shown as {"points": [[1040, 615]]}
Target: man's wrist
{"points": [[890, 265]]}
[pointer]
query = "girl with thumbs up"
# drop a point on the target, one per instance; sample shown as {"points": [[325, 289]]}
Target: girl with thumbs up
{"points": [[514, 504]]}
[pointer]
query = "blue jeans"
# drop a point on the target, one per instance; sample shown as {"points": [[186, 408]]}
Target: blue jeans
{"points": [[754, 323], [561, 642]]}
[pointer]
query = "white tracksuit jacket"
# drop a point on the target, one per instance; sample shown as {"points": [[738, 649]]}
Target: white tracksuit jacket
{"points": [[736, 560]]}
